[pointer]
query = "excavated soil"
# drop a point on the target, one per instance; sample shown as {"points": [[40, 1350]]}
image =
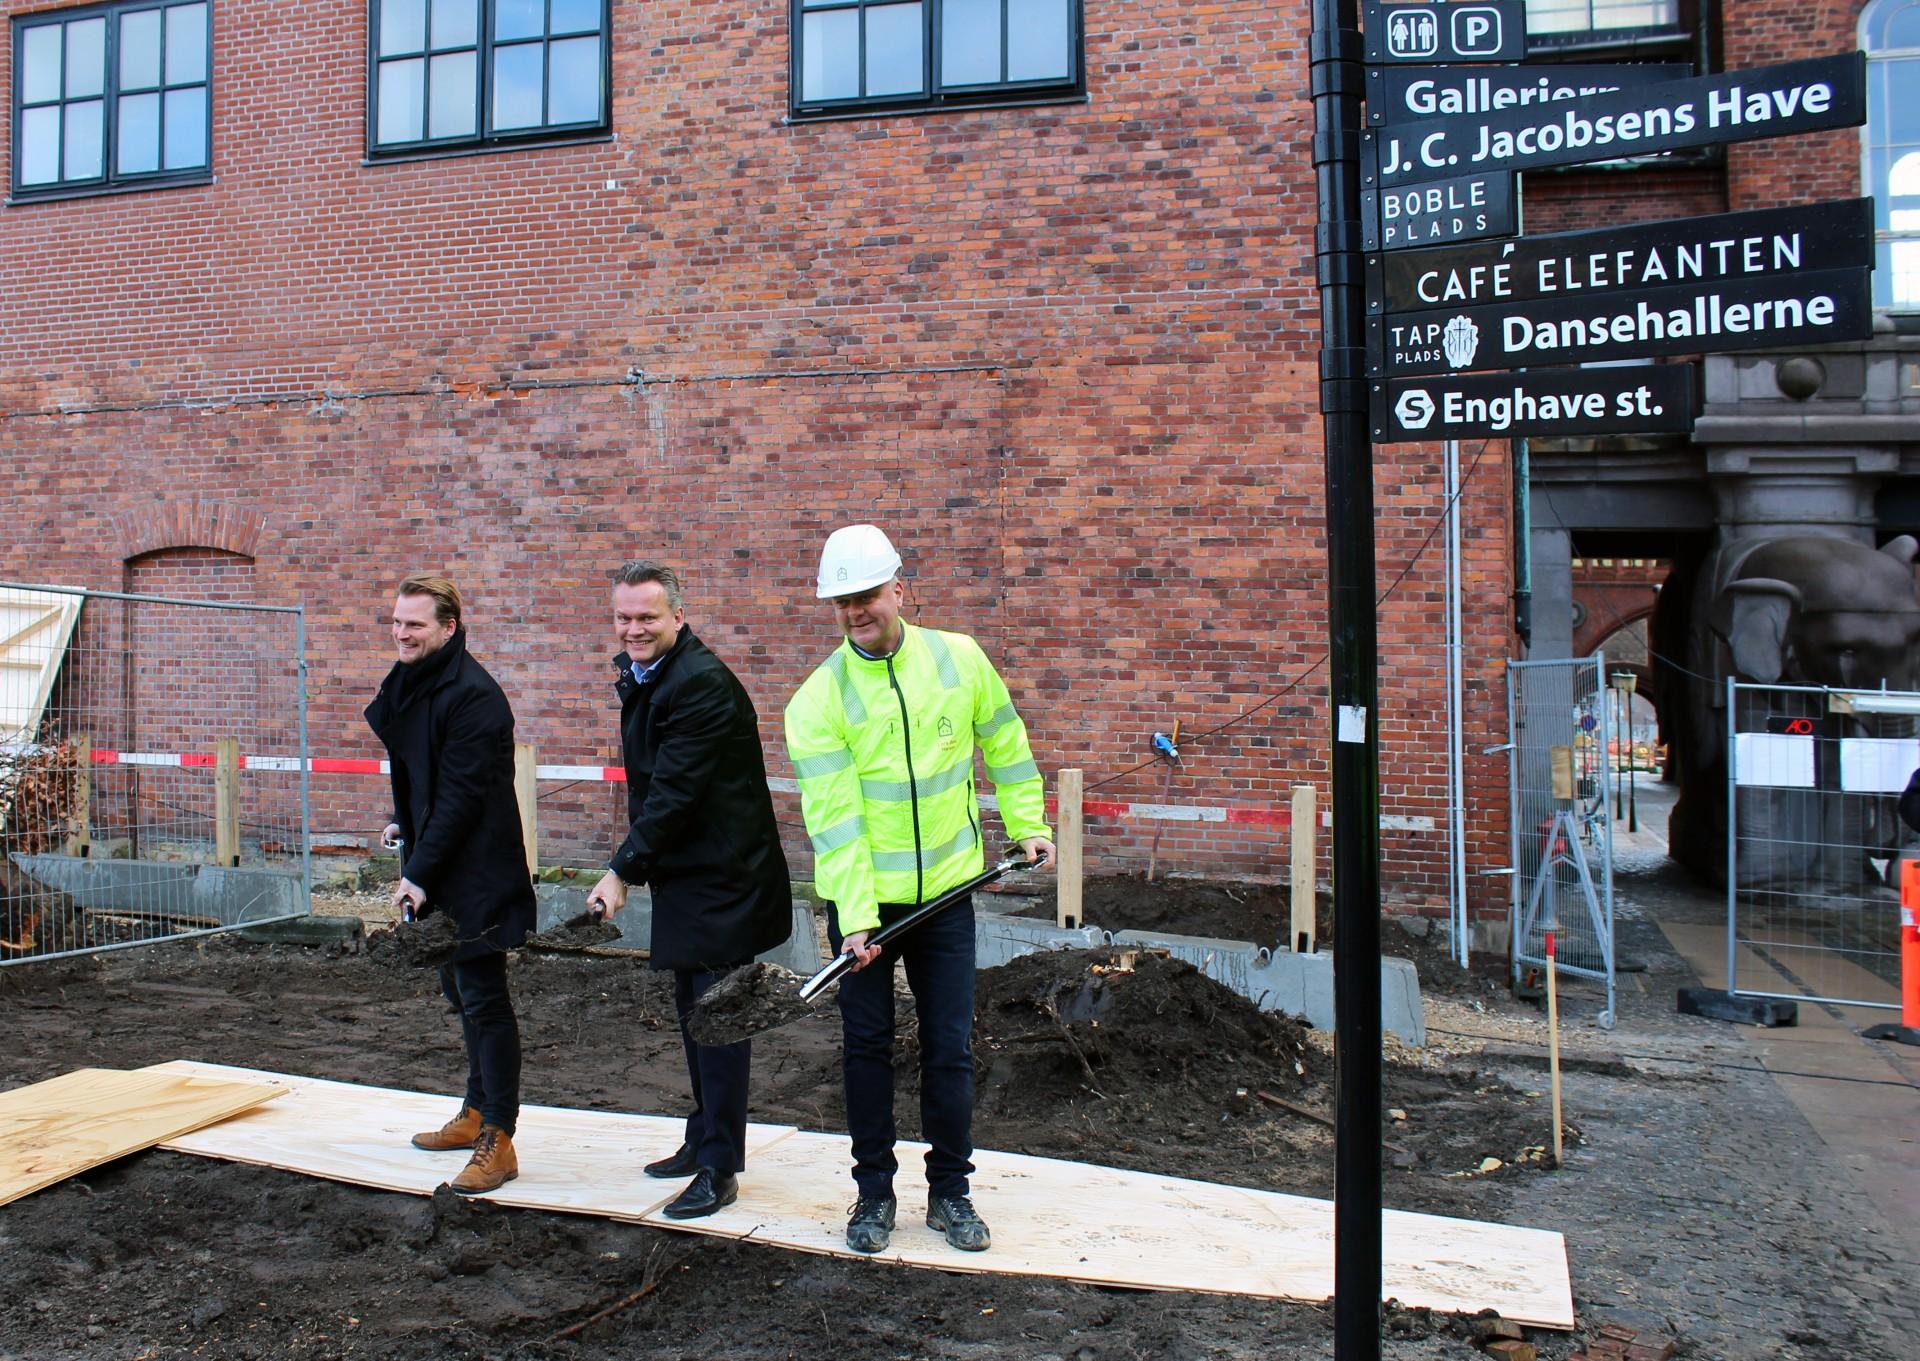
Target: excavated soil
{"points": [[584, 931], [748, 1002], [1131, 1060], [1261, 913]]}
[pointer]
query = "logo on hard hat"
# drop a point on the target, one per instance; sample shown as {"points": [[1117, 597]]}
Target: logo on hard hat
{"points": [[840, 575]]}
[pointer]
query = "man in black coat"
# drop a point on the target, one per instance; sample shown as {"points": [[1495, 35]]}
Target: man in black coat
{"points": [[704, 837], [448, 731]]}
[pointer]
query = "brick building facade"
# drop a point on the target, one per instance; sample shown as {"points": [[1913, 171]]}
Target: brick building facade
{"points": [[1065, 351]]}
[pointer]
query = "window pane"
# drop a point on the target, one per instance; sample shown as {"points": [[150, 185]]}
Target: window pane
{"points": [[894, 50], [403, 27], [86, 141], [139, 134], [519, 19], [185, 142], [970, 42], [1037, 40], [456, 97], [39, 149], [576, 16], [830, 55], [402, 92], [140, 50], [573, 81], [86, 58], [1903, 30], [41, 79], [516, 86], [186, 44], [456, 23]]}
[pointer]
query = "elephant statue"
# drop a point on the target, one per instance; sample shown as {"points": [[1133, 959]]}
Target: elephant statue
{"points": [[1797, 611]]}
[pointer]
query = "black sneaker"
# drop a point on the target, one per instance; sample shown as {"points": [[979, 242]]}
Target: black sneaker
{"points": [[962, 1224], [870, 1225]]}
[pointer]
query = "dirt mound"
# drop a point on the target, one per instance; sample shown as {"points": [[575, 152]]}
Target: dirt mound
{"points": [[1261, 913], [584, 931]]}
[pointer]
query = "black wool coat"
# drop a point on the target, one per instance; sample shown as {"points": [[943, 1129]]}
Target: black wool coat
{"points": [[449, 736], [703, 835]]}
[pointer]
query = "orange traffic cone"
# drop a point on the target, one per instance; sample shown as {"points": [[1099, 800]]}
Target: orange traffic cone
{"points": [[1908, 1031]]}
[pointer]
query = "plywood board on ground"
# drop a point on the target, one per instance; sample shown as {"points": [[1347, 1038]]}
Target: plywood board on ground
{"points": [[580, 1162], [51, 1130], [1105, 1226], [1049, 1218]]}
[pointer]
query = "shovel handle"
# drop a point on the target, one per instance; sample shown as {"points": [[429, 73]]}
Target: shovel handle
{"points": [[841, 963]]}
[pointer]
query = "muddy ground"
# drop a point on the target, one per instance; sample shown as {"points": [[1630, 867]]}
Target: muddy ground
{"points": [[1137, 1063]]}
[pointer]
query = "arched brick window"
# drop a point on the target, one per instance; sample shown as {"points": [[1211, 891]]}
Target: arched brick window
{"points": [[1890, 148]]}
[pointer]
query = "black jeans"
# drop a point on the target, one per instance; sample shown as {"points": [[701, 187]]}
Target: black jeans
{"points": [[717, 1128], [939, 956], [477, 988]]}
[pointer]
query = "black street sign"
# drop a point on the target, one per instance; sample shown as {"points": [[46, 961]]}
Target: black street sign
{"points": [[1432, 31], [1466, 209], [1814, 307], [1738, 106], [1836, 235], [1642, 399], [1402, 94]]}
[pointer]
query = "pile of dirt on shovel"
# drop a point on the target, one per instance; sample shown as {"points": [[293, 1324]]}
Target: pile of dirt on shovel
{"points": [[1132, 1059]]}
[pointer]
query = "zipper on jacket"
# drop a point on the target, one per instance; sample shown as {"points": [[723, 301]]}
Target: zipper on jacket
{"points": [[913, 788]]}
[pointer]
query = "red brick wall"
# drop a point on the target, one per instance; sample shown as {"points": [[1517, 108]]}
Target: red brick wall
{"points": [[1065, 354]]}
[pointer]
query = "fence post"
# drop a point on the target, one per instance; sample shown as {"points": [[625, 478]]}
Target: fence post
{"points": [[1302, 871], [226, 801], [1066, 911], [527, 794], [80, 813]]}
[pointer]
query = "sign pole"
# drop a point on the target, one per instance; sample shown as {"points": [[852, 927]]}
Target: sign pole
{"points": [[1338, 86]]}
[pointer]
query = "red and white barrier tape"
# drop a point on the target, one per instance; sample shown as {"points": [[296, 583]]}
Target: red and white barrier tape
{"points": [[1093, 808]]}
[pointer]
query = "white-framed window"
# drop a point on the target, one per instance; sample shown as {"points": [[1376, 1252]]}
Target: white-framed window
{"points": [[1611, 25], [1890, 149]]}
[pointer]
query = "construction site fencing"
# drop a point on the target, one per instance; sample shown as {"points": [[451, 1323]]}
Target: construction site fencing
{"points": [[153, 769], [1815, 840], [1561, 725]]}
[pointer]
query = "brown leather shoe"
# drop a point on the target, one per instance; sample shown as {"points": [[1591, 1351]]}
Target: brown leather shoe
{"points": [[459, 1132], [492, 1166]]}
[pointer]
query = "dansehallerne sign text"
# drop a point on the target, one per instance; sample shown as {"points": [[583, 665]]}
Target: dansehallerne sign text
{"points": [[1737, 106], [1818, 236]]}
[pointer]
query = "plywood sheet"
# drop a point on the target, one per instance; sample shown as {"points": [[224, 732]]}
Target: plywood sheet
{"points": [[1110, 1227], [580, 1162], [35, 627], [1049, 1218], [51, 1130]]}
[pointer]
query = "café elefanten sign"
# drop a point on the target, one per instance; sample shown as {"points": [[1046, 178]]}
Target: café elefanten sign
{"points": [[1763, 101], [1817, 236], [1807, 308]]}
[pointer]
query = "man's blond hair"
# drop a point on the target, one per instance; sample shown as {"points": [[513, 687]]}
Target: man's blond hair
{"points": [[446, 595]]}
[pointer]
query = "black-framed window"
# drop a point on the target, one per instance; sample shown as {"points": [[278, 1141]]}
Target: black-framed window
{"points": [[855, 55], [112, 96], [457, 73], [1890, 149], [1609, 25]]}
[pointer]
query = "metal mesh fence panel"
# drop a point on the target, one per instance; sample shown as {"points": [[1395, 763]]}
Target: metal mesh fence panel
{"points": [[1562, 726], [153, 773], [1815, 840]]}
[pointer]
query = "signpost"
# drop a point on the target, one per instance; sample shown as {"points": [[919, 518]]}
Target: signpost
{"points": [[1446, 30], [1402, 94], [1643, 398], [1737, 106], [1466, 209]]}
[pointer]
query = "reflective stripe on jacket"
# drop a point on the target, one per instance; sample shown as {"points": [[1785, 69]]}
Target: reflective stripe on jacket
{"points": [[883, 751]]}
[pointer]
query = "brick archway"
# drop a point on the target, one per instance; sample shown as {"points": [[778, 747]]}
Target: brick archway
{"points": [[193, 523]]}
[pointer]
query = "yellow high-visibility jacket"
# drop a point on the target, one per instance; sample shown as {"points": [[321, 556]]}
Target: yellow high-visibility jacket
{"points": [[883, 750]]}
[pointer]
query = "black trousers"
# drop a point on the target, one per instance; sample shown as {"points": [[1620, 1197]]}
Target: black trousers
{"points": [[477, 988], [717, 1128]]}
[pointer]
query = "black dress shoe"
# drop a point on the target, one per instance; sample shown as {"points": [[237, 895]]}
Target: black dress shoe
{"points": [[709, 1191], [680, 1163]]}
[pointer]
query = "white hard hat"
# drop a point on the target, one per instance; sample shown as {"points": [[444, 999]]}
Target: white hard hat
{"points": [[857, 558]]}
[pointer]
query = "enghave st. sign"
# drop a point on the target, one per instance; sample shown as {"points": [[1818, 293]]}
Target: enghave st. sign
{"points": [[1819, 236], [1404, 94], [1466, 209], [1648, 398], [1444, 30], [1813, 307], [1737, 106]]}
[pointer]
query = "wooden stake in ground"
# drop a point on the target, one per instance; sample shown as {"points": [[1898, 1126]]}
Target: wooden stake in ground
{"points": [[526, 793], [1303, 873], [1067, 846], [1553, 1045]]}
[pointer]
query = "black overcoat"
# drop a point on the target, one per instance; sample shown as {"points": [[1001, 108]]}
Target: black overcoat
{"points": [[703, 835], [449, 739]]}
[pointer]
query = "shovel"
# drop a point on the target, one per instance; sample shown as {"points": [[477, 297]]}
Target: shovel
{"points": [[760, 997]]}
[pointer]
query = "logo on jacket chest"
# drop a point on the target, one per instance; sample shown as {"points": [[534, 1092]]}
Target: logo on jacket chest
{"points": [[943, 730]]}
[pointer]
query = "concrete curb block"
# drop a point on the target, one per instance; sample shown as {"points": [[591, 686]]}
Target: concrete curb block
{"points": [[998, 939], [557, 902], [147, 888]]}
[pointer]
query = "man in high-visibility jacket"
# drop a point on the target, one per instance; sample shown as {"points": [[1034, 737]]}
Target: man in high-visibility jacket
{"points": [[882, 737]]}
